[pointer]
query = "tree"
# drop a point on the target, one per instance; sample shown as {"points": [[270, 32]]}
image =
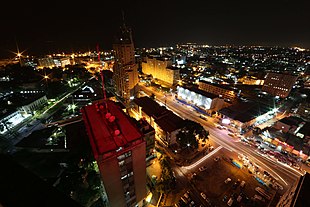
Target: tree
{"points": [[167, 180], [204, 135], [185, 139], [188, 135]]}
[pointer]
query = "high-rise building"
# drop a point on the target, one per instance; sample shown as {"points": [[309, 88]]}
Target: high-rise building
{"points": [[297, 195], [120, 151], [161, 69], [278, 84], [125, 70]]}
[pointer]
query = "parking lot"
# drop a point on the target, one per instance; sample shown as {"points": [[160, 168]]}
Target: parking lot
{"points": [[211, 182]]}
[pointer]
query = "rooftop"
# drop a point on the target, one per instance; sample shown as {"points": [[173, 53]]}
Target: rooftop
{"points": [[12, 102], [292, 120], [201, 92], [305, 130], [150, 107], [227, 87], [109, 130], [167, 120], [170, 122], [173, 68], [245, 111]]}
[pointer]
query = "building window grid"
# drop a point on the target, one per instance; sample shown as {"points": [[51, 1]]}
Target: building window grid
{"points": [[126, 170]]}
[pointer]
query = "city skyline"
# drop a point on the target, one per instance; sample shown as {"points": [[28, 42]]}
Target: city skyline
{"points": [[75, 27], [192, 125]]}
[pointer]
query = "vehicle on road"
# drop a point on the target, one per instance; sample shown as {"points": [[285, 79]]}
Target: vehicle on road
{"points": [[203, 117], [227, 180], [258, 197], [230, 202], [192, 204], [263, 192], [186, 195], [242, 184], [239, 198], [184, 200], [203, 195]]}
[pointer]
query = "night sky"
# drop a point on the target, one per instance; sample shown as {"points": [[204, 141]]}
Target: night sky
{"points": [[55, 26]]}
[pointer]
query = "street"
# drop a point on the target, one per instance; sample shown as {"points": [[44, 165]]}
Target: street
{"points": [[284, 174]]}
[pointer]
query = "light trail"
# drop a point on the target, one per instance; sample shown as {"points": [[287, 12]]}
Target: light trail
{"points": [[256, 160], [226, 144], [202, 159]]}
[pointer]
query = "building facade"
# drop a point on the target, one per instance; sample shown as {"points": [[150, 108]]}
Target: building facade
{"points": [[46, 62], [33, 105], [161, 69], [297, 195], [202, 99], [221, 91], [278, 84], [165, 122], [239, 117], [125, 69], [120, 151]]}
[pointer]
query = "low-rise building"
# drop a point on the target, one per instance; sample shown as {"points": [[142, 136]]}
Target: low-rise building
{"points": [[202, 99], [251, 80], [46, 62], [220, 90], [242, 115], [278, 84], [304, 110], [17, 107], [291, 124], [165, 122]]}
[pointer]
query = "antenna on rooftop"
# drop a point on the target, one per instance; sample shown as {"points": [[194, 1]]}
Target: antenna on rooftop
{"points": [[102, 80], [103, 89]]}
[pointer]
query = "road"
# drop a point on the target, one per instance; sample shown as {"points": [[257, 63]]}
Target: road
{"points": [[284, 174]]}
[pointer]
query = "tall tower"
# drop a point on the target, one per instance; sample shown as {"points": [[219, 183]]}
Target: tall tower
{"points": [[120, 150], [125, 70]]}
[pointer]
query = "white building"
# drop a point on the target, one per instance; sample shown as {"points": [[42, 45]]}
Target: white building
{"points": [[202, 99]]}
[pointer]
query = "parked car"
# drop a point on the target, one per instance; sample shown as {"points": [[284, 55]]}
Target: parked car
{"points": [[242, 184], [258, 197], [225, 198], [227, 180], [203, 195], [186, 195], [230, 202], [239, 198]]}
